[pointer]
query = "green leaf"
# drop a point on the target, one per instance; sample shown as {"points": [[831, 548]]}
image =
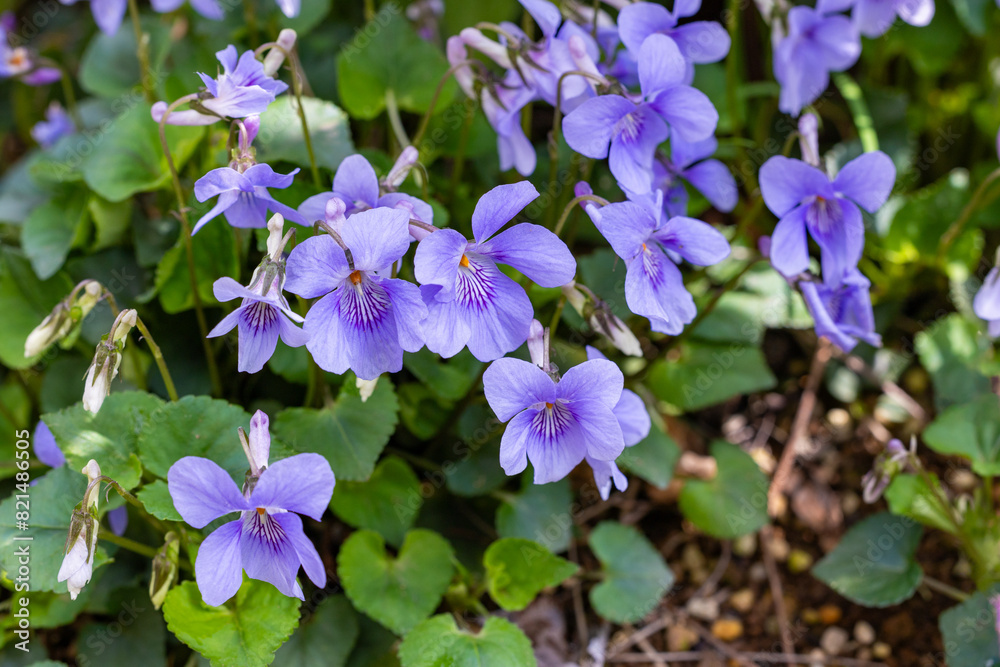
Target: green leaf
{"points": [[215, 256], [969, 632], [874, 562], [950, 350], [280, 137], [972, 14], [388, 55], [156, 499], [517, 570], [653, 458], [140, 638], [971, 430], [128, 158], [51, 506], [324, 639], [244, 632], [111, 221], [110, 437], [909, 495], [397, 592], [49, 232], [706, 374], [387, 503], [451, 379], [540, 512], [195, 426], [350, 434], [438, 642], [732, 504], [24, 301], [635, 575], [109, 67], [375, 646], [422, 413]]}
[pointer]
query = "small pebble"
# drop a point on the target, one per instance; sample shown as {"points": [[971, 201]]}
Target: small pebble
{"points": [[830, 614], [727, 629], [757, 572], [681, 638], [706, 609], [881, 650], [692, 557], [962, 569], [840, 424], [799, 561], [962, 480], [779, 547], [864, 633], [742, 600], [850, 502], [818, 658], [745, 545], [810, 616], [833, 640]]}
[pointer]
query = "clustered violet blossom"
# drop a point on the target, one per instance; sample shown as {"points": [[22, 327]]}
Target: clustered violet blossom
{"points": [[267, 539]]}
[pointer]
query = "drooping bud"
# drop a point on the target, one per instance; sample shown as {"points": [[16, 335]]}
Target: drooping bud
{"points": [[809, 139], [895, 459], [275, 57], [583, 61], [68, 313], [474, 38], [600, 318], [457, 53], [275, 228], [407, 158], [81, 544], [107, 358], [165, 566]]}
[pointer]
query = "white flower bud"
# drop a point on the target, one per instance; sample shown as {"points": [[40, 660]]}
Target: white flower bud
{"points": [[275, 57], [78, 563], [275, 228], [63, 317]]}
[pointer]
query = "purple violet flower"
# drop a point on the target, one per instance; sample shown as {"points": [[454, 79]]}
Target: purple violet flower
{"points": [[108, 14], [470, 301], [986, 305], [654, 286], [57, 124], [804, 198], [843, 312], [364, 320], [629, 131], [874, 17], [635, 423], [210, 9], [817, 43], [267, 540], [698, 41], [18, 62], [243, 197], [356, 184], [240, 90], [554, 424]]}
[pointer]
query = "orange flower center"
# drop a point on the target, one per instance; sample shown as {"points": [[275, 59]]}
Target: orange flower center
{"points": [[261, 511], [464, 261], [356, 277], [548, 405]]}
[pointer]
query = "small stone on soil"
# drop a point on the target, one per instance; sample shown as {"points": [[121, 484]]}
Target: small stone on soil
{"points": [[864, 633], [830, 614], [742, 600], [681, 638], [834, 640], [706, 609], [881, 650], [727, 629]]}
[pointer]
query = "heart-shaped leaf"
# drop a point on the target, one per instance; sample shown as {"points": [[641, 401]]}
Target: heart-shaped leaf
{"points": [[438, 641], [387, 503], [397, 592], [635, 574], [517, 570], [971, 430], [732, 504]]}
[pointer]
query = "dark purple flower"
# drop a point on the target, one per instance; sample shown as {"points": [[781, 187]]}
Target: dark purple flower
{"points": [[698, 41], [262, 316], [874, 17], [57, 124], [365, 320], [987, 302], [629, 131], [470, 302], [356, 184], [267, 540], [687, 163], [817, 43], [842, 313], [243, 197], [654, 286], [804, 198], [553, 424]]}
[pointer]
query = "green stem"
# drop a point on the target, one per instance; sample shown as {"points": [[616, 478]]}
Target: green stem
{"points": [[67, 86], [126, 543], [956, 227], [732, 75], [425, 121], [569, 209], [158, 357], [463, 144], [297, 78], [250, 17], [395, 122], [859, 110], [142, 52], [213, 371], [941, 587], [710, 306]]}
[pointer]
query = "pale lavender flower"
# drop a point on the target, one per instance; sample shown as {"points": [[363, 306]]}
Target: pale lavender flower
{"points": [[57, 124], [244, 197], [364, 320], [986, 305], [470, 301], [555, 425], [842, 313], [108, 14], [698, 41], [874, 17], [210, 9], [267, 540]]}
